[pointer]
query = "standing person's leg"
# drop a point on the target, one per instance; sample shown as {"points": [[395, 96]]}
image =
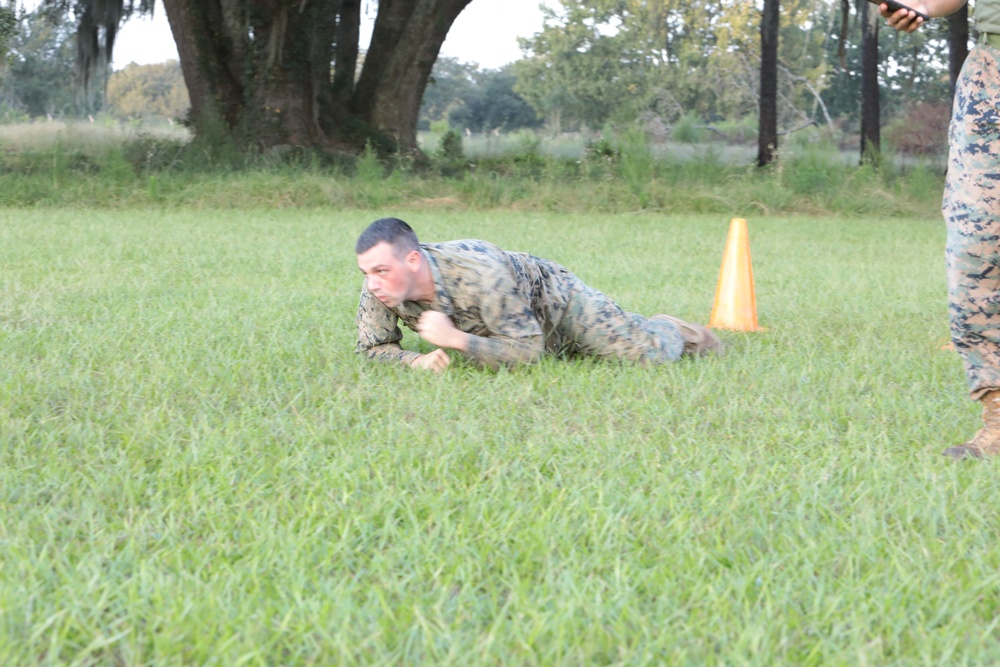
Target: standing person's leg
{"points": [[972, 211], [594, 325]]}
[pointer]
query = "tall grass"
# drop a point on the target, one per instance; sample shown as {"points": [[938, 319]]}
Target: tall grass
{"points": [[195, 468], [627, 174], [95, 138]]}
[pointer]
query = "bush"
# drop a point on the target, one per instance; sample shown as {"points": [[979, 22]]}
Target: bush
{"points": [[440, 126], [368, 168], [739, 131], [686, 130], [922, 130], [637, 165], [527, 142], [450, 154], [813, 170], [147, 152], [10, 115]]}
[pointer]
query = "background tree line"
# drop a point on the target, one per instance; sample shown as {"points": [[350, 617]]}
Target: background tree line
{"points": [[597, 61], [594, 62], [38, 81]]}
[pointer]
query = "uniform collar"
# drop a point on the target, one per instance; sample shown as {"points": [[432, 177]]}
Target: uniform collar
{"points": [[442, 300]]}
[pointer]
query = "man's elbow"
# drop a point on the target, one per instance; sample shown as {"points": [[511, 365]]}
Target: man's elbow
{"points": [[525, 353], [366, 350]]}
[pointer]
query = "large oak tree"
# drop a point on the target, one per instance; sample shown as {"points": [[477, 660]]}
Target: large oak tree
{"points": [[271, 73]]}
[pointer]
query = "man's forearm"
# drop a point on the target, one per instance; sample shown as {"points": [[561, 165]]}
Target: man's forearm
{"points": [[494, 352], [389, 352]]}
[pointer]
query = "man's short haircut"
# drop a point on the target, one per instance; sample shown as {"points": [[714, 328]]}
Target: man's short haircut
{"points": [[399, 235]]}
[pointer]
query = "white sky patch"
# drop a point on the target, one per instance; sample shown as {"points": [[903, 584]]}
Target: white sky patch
{"points": [[485, 33]]}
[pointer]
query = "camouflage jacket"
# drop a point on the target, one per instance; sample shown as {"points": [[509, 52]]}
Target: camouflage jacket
{"points": [[509, 302]]}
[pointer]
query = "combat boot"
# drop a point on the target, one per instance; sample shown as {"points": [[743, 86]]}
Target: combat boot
{"points": [[699, 341], [987, 441]]}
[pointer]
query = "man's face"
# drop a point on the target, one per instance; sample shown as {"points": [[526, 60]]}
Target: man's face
{"points": [[388, 277]]}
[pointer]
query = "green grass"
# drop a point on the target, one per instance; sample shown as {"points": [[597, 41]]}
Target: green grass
{"points": [[537, 185], [106, 166], [195, 468]]}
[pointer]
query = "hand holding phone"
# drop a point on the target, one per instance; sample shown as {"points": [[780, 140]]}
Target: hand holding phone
{"points": [[895, 6]]}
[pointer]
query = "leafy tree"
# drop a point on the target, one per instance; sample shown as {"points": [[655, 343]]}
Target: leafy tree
{"points": [[259, 72], [41, 53], [619, 60], [600, 60], [8, 28], [493, 104], [481, 100], [142, 91], [451, 83], [579, 75]]}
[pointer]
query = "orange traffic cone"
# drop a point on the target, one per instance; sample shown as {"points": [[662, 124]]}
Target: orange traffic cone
{"points": [[735, 304]]}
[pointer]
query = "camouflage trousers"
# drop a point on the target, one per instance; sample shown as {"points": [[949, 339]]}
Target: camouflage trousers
{"points": [[594, 325], [971, 209]]}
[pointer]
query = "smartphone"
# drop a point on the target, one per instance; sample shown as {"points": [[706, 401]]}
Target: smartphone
{"points": [[895, 6]]}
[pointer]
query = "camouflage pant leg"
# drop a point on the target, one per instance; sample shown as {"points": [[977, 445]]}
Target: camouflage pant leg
{"points": [[971, 209], [594, 325]]}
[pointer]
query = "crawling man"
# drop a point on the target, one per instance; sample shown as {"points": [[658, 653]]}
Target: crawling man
{"points": [[498, 308]]}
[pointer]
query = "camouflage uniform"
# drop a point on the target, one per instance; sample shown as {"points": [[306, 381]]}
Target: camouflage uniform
{"points": [[517, 307], [972, 210]]}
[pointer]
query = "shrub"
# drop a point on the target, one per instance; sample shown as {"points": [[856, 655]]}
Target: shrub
{"points": [[637, 164], [686, 130], [603, 150], [440, 126], [527, 142], [147, 152], [450, 154], [10, 115], [922, 130], [368, 168]]}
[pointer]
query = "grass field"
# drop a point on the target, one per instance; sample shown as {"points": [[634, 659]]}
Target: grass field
{"points": [[109, 166], [195, 468]]}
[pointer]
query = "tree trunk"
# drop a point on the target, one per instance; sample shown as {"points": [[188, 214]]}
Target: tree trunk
{"points": [[206, 54], [405, 43], [292, 52], [260, 70], [958, 43], [345, 64], [870, 106], [767, 136]]}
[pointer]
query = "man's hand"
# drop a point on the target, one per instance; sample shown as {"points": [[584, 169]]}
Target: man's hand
{"points": [[437, 329], [903, 19], [436, 361]]}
